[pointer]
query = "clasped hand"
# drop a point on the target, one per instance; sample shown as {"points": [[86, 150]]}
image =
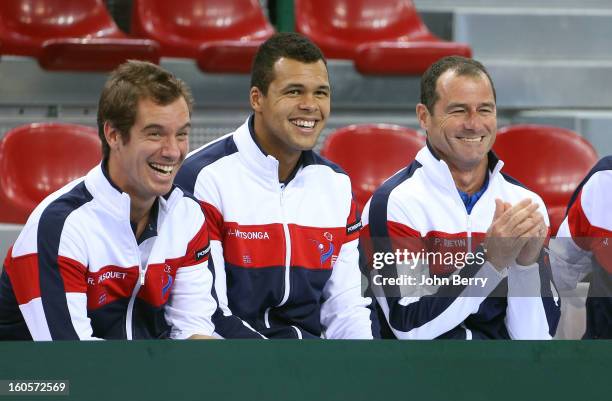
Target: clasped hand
{"points": [[516, 234]]}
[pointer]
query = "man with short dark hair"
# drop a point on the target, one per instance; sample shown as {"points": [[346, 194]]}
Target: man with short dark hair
{"points": [[426, 224], [583, 247], [283, 226], [109, 256]]}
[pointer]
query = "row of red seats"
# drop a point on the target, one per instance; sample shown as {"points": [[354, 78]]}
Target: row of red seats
{"points": [[37, 159], [381, 36]]}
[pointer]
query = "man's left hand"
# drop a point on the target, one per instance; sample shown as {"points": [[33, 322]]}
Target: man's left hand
{"points": [[530, 252]]}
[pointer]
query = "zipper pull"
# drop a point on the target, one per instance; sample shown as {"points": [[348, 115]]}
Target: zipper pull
{"points": [[142, 277]]}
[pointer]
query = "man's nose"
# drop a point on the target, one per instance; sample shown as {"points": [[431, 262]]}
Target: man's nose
{"points": [[473, 121], [308, 103], [170, 148]]}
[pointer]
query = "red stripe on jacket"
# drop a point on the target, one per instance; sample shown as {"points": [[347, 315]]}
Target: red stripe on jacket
{"points": [[23, 273]]}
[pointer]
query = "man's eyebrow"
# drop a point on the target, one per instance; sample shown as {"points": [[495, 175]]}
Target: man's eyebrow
{"points": [[456, 105], [293, 86], [152, 126], [162, 128], [465, 106], [301, 86]]}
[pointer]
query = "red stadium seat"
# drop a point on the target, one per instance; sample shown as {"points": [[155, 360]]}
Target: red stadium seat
{"points": [[222, 35], [381, 36], [549, 160], [371, 153], [229, 56], [37, 159], [69, 35]]}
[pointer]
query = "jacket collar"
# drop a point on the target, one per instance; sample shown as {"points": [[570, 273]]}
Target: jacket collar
{"points": [[258, 161], [116, 202], [439, 172]]}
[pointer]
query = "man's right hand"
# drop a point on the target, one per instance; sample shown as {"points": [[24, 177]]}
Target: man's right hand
{"points": [[508, 232]]}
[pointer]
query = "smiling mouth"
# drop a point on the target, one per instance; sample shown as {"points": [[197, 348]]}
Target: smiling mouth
{"points": [[476, 139], [304, 124], [161, 168]]}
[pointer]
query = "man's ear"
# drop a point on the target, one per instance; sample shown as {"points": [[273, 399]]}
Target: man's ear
{"points": [[423, 116], [111, 134], [256, 98]]}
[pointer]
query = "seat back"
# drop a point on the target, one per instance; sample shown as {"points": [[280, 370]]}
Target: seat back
{"points": [[37, 159], [26, 24], [181, 27], [550, 161], [339, 26], [371, 153]]}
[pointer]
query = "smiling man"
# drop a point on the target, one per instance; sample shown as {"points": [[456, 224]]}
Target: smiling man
{"points": [[109, 256], [467, 219], [283, 226]]}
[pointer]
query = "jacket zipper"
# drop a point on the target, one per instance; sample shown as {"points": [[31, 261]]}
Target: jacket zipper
{"points": [[287, 248], [468, 332], [469, 233], [129, 330], [287, 288]]}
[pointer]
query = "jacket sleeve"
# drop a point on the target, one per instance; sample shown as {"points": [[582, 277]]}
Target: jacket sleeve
{"points": [[191, 304], [48, 274], [227, 325], [345, 313], [412, 310], [584, 236], [534, 306], [570, 263], [585, 233]]}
